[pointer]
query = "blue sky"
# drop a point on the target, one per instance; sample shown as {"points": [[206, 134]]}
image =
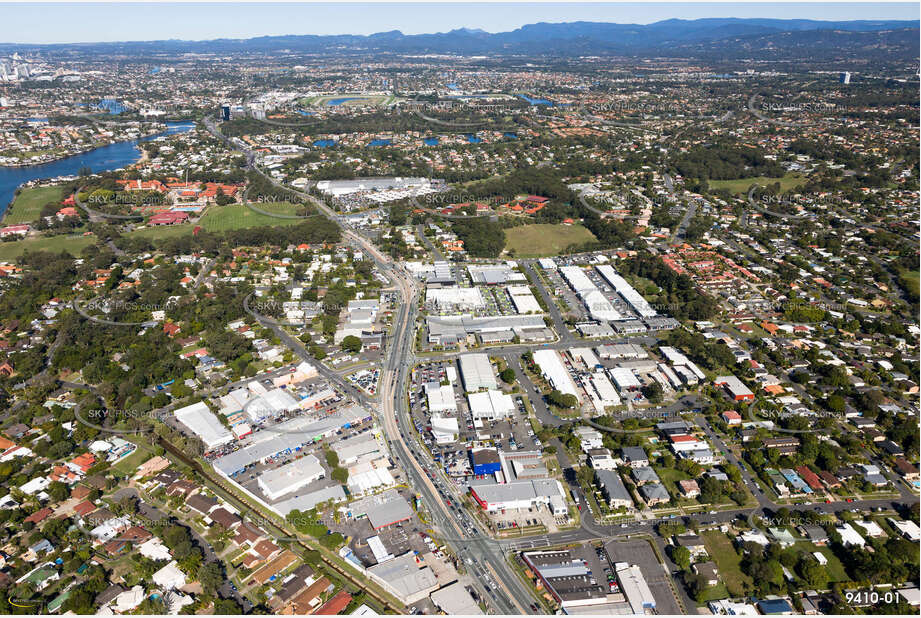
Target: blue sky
{"points": [[90, 22]]}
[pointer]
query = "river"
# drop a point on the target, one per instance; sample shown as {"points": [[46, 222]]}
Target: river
{"points": [[102, 159]]}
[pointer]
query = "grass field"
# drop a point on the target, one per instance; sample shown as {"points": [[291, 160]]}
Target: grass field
{"points": [[727, 561], [352, 100], [742, 185], [162, 231], [543, 239], [27, 206], [9, 251], [238, 216], [910, 279]]}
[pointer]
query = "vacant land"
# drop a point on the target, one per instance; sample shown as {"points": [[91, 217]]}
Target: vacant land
{"points": [[238, 216], [28, 205], [9, 251], [544, 239], [742, 185], [727, 561]]}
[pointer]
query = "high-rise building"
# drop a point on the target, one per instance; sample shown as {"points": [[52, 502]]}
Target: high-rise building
{"points": [[845, 77], [225, 111]]}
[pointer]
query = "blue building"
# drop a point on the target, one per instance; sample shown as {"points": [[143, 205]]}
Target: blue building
{"points": [[485, 461]]}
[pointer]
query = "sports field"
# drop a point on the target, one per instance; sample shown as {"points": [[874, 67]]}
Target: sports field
{"points": [[27, 206], [543, 239]]}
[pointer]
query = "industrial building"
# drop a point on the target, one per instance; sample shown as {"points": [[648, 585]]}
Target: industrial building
{"points": [[485, 461], [635, 588], [476, 372], [455, 300], [199, 419], [599, 307], [629, 294], [290, 477], [734, 386], [523, 299], [555, 372], [440, 397], [566, 577], [490, 405], [521, 494]]}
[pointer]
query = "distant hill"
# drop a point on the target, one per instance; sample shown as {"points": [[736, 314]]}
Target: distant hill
{"points": [[726, 38]]}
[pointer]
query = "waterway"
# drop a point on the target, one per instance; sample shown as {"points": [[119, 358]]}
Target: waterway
{"points": [[102, 159]]}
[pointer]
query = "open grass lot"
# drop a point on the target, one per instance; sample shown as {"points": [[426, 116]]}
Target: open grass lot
{"points": [[238, 216], [27, 206], [542, 239], [742, 185], [162, 231], [727, 561], [910, 279], [9, 251]]}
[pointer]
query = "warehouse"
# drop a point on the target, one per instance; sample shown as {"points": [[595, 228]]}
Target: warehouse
{"points": [[599, 307], [556, 374], [629, 294], [449, 330], [604, 393], [270, 404], [290, 477], [734, 386], [444, 429], [490, 405], [476, 372], [286, 437], [454, 600], [199, 419], [624, 379], [404, 578], [523, 299], [440, 397], [566, 578], [521, 495], [384, 509], [357, 447], [454, 300], [622, 350], [635, 588]]}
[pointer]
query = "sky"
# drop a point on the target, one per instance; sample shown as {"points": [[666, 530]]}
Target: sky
{"points": [[96, 22]]}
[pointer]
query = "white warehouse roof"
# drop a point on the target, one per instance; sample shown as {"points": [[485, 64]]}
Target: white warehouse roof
{"points": [[198, 418]]}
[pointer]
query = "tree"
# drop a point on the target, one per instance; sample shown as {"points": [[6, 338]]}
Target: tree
{"points": [[507, 375], [653, 392], [682, 557], [563, 400], [351, 343], [211, 577]]}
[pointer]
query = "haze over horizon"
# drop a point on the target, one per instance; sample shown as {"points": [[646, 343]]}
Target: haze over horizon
{"points": [[205, 21]]}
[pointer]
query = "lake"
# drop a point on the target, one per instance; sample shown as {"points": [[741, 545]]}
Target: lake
{"points": [[102, 159]]}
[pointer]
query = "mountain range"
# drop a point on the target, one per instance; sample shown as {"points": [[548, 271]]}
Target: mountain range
{"points": [[726, 37]]}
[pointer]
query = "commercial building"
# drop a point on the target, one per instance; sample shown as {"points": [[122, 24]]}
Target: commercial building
{"points": [[445, 429], [455, 300], [521, 494], [450, 330], [440, 397], [199, 419], [490, 405], [476, 372], [485, 461], [404, 578], [455, 600], [290, 477]]}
